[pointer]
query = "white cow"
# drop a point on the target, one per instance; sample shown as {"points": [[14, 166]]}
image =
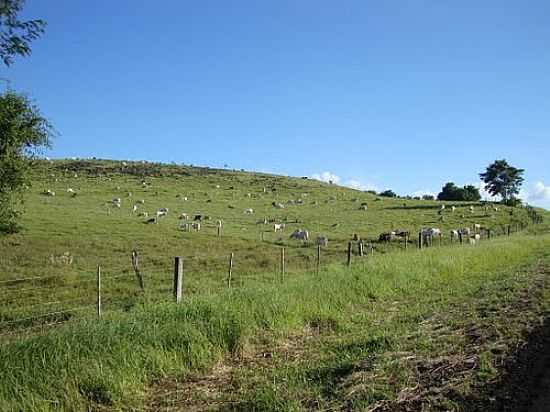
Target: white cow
{"points": [[465, 231], [134, 209], [278, 226], [299, 234], [163, 211], [277, 205], [477, 227], [183, 216], [472, 209], [70, 190], [249, 211], [453, 208]]}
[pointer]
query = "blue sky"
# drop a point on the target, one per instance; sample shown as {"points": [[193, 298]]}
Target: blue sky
{"points": [[381, 94]]}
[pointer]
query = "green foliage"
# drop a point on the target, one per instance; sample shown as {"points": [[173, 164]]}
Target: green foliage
{"points": [[467, 193], [16, 35], [388, 193], [23, 131], [502, 179], [428, 197]]}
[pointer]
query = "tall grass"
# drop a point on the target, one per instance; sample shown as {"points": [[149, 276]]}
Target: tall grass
{"points": [[112, 361]]}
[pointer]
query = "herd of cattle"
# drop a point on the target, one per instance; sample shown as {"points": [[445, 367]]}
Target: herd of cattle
{"points": [[193, 223]]}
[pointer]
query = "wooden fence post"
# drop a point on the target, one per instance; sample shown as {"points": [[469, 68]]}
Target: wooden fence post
{"points": [[318, 258], [420, 240], [406, 241], [488, 234], [508, 230], [349, 253], [135, 265], [230, 271], [360, 248], [282, 263], [178, 278], [98, 290]]}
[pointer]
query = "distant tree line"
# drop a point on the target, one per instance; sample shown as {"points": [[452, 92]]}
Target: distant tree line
{"points": [[452, 192]]}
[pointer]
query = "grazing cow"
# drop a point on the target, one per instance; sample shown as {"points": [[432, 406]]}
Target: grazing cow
{"points": [[454, 234], [48, 193], [134, 209], [363, 207], [278, 226], [442, 207], [401, 233], [477, 237], [140, 201], [248, 211], [277, 205], [428, 235], [129, 194], [471, 209], [299, 234], [197, 218], [116, 200], [465, 231], [196, 226], [70, 190], [219, 223], [322, 241], [495, 208], [143, 214], [152, 220], [163, 211], [183, 216], [453, 208], [477, 227], [386, 237], [355, 237]]}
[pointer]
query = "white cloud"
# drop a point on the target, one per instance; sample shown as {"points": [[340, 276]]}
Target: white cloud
{"points": [[351, 182], [420, 193], [326, 177], [357, 185], [537, 194]]}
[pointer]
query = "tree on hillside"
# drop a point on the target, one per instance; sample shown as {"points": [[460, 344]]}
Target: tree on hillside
{"points": [[16, 35], [452, 192], [388, 193], [23, 131], [502, 179]]}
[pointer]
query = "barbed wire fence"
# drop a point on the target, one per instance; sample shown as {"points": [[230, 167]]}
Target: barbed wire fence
{"points": [[31, 305]]}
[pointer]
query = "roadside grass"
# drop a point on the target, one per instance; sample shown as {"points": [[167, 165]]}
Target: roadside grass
{"points": [[368, 312]]}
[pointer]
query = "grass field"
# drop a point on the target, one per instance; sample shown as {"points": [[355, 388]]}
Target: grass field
{"points": [[93, 232], [345, 339]]}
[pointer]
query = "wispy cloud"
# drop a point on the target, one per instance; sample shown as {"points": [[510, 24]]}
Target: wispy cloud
{"points": [[326, 177], [352, 183], [537, 194], [423, 192]]}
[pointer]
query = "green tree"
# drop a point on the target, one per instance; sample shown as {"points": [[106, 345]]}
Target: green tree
{"points": [[471, 193], [502, 179], [449, 192], [23, 131], [16, 35], [388, 193], [452, 192]]}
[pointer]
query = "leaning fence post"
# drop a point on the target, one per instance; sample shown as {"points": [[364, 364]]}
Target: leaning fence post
{"points": [[178, 278], [349, 253], [98, 290], [135, 265], [282, 263], [230, 271]]}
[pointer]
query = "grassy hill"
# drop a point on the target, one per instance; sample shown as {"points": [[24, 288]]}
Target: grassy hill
{"points": [[87, 230], [313, 333]]}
